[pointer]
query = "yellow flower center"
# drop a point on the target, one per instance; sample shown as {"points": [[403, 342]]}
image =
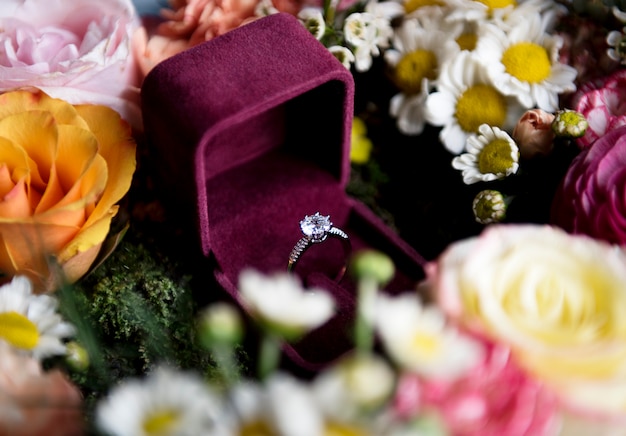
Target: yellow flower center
{"points": [[18, 330], [480, 104], [495, 157], [527, 61], [497, 4], [161, 423], [414, 67], [427, 345], [413, 5], [338, 429], [256, 428], [467, 41]]}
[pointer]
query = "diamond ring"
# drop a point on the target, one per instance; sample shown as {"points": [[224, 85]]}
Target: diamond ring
{"points": [[315, 229]]}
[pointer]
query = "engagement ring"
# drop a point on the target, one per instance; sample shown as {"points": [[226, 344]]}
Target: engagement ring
{"points": [[317, 228]]}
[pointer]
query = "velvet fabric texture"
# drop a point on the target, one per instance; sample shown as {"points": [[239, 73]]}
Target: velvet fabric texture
{"points": [[251, 132]]}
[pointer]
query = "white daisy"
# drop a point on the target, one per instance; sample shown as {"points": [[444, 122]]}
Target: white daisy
{"points": [[416, 56], [354, 386], [465, 99], [491, 155], [418, 339], [29, 322], [417, 8], [166, 402], [282, 405], [280, 302], [524, 63]]}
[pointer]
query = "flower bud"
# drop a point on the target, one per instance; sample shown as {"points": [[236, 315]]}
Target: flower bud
{"points": [[77, 357], [489, 207], [374, 264], [533, 133], [569, 124], [220, 324]]}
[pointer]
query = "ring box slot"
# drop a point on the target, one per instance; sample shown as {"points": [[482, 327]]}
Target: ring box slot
{"points": [[250, 132]]}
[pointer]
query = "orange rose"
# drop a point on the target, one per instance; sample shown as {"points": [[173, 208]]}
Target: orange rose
{"points": [[63, 169]]}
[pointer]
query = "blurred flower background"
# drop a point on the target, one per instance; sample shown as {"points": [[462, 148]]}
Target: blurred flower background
{"points": [[490, 135]]}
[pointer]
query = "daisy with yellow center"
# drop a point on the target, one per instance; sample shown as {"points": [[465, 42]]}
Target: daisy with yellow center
{"points": [[524, 62], [418, 339], [415, 58], [480, 10], [284, 405], [491, 155], [465, 99], [167, 402], [29, 322]]}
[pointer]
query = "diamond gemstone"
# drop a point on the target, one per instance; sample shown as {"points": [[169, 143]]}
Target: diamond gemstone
{"points": [[315, 226]]}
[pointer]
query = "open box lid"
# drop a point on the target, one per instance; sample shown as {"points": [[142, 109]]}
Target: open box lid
{"points": [[251, 131]]}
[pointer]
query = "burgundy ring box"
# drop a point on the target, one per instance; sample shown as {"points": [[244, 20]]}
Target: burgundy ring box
{"points": [[250, 132]]}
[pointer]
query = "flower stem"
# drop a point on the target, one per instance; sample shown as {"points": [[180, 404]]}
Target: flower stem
{"points": [[367, 289], [269, 355]]}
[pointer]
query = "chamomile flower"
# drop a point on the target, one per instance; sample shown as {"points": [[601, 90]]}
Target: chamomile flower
{"points": [[415, 57], [166, 402], [282, 405], [418, 339], [280, 302], [525, 63], [491, 155], [414, 8], [29, 322], [465, 99]]}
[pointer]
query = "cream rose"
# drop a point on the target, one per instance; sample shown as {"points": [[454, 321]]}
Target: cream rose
{"points": [[63, 169], [557, 299]]}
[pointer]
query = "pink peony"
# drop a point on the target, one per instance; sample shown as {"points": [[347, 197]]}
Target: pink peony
{"points": [[191, 22], [603, 105], [77, 51], [35, 402], [591, 199], [495, 398]]}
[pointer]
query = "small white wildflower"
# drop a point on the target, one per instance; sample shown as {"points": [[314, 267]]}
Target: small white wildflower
{"points": [[280, 302], [313, 19], [343, 54]]}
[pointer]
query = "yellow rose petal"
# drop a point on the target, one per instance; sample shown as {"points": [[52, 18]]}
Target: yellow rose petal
{"points": [[35, 133], [118, 149], [23, 101]]}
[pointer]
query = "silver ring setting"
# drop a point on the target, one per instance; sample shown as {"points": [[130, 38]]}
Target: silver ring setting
{"points": [[315, 229]]}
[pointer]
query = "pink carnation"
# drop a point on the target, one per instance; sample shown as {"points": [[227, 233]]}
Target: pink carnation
{"points": [[495, 398], [592, 197], [191, 22], [76, 51], [604, 107]]}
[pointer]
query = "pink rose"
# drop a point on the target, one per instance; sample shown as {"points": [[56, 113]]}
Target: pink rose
{"points": [[603, 106], [494, 398], [592, 196], [533, 133], [191, 22], [35, 402], [77, 51]]}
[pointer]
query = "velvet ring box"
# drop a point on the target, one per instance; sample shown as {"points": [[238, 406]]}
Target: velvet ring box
{"points": [[250, 132]]}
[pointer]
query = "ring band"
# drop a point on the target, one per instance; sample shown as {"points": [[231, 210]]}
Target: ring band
{"points": [[315, 229]]}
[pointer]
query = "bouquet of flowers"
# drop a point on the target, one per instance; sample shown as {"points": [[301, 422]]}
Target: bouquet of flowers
{"points": [[497, 125]]}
